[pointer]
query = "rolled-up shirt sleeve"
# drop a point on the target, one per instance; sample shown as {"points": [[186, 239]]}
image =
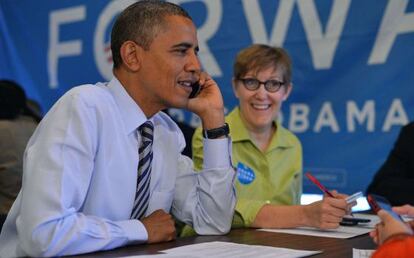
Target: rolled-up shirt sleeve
{"points": [[205, 200]]}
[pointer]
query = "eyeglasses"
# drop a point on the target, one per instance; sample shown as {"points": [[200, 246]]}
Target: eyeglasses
{"points": [[254, 84]]}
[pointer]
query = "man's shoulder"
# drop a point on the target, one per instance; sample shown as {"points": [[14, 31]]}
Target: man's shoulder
{"points": [[90, 94], [89, 90]]}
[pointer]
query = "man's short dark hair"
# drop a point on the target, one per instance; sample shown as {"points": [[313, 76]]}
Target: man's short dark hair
{"points": [[140, 22]]}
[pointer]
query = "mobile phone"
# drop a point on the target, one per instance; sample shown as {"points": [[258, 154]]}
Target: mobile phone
{"points": [[196, 88], [352, 221], [378, 202]]}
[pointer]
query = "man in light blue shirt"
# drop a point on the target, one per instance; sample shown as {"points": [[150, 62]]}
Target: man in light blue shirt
{"points": [[80, 166]]}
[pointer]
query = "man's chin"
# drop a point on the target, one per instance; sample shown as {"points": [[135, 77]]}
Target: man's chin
{"points": [[181, 103]]}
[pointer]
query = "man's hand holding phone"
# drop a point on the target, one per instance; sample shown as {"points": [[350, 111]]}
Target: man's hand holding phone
{"points": [[208, 102]]}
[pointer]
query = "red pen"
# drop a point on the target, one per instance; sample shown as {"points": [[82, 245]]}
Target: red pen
{"points": [[318, 184]]}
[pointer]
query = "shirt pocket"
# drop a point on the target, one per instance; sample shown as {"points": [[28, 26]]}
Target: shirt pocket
{"points": [[160, 200]]}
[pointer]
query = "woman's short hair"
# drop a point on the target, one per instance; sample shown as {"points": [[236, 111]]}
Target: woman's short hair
{"points": [[258, 57]]}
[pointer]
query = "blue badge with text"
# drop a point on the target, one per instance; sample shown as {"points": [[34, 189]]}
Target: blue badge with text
{"points": [[245, 174]]}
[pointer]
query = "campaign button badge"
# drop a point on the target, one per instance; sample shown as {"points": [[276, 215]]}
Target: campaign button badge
{"points": [[245, 174]]}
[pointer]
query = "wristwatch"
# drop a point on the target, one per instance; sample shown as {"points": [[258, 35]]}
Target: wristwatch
{"points": [[217, 132]]}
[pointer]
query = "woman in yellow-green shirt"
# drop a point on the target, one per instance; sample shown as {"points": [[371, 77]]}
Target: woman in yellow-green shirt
{"points": [[268, 157]]}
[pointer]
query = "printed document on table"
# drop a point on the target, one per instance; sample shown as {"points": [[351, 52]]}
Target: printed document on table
{"points": [[227, 250], [340, 232], [362, 253]]}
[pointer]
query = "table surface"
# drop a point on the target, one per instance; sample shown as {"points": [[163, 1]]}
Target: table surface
{"points": [[331, 247]]}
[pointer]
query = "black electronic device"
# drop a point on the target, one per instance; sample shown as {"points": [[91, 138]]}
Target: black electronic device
{"points": [[196, 88], [352, 221]]}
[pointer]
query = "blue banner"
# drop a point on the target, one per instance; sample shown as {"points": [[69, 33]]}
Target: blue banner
{"points": [[353, 66]]}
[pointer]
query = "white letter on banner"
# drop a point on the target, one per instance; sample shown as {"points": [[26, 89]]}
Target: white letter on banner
{"points": [[322, 46], [299, 122], [60, 49], [257, 26], [207, 31], [102, 49], [395, 116], [367, 113], [326, 117], [395, 22]]}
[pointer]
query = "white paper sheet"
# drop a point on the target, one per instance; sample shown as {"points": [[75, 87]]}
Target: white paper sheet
{"points": [[341, 232], [227, 250], [361, 253]]}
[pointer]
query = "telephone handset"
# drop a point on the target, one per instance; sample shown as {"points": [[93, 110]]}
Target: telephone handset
{"points": [[196, 88]]}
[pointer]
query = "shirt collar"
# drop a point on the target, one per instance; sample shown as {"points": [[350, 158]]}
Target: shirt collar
{"points": [[131, 114], [239, 132]]}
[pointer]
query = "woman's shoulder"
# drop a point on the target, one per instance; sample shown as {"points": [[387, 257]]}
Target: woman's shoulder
{"points": [[288, 135]]}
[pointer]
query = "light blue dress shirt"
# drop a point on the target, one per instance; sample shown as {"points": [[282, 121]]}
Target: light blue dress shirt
{"points": [[80, 178]]}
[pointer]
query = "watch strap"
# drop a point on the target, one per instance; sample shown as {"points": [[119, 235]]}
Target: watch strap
{"points": [[217, 132]]}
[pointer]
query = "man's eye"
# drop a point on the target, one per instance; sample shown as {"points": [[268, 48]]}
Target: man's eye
{"points": [[181, 51]]}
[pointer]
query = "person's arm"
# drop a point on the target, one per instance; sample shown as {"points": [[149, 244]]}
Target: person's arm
{"points": [[388, 228], [206, 200], [401, 246], [394, 237], [395, 178], [246, 210], [256, 213], [323, 214], [59, 165], [404, 210], [407, 210]]}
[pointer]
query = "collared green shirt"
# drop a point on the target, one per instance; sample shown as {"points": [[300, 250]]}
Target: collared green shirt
{"points": [[270, 177]]}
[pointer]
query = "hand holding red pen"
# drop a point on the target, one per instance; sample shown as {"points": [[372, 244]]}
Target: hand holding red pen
{"points": [[327, 213]]}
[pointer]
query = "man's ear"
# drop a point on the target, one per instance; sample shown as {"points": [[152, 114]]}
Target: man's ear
{"points": [[131, 55]]}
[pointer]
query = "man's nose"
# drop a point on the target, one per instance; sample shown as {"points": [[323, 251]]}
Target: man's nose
{"points": [[193, 65]]}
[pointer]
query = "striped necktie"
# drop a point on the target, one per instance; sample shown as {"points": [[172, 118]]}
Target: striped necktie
{"points": [[144, 171]]}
